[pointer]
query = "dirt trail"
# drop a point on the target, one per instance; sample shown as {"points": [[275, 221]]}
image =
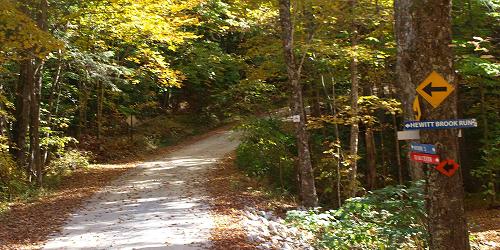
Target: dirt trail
{"points": [[161, 204]]}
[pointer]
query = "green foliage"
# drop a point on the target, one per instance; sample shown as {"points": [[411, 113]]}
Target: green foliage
{"points": [[206, 65], [4, 102], [489, 171], [54, 142], [370, 110], [333, 162], [267, 149], [474, 66], [246, 98], [478, 66], [68, 161], [217, 19], [389, 218], [12, 180]]}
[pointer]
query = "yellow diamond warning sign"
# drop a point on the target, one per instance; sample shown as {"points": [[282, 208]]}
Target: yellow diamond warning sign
{"points": [[434, 89]]}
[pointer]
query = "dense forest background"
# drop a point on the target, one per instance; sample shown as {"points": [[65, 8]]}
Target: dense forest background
{"points": [[84, 81]]}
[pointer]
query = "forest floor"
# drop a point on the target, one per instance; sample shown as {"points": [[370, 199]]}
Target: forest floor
{"points": [[484, 225], [107, 198]]}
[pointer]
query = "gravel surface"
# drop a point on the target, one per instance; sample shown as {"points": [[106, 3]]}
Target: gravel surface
{"points": [[161, 204]]}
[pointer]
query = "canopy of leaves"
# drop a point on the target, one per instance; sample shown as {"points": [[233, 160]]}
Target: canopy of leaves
{"points": [[20, 38]]}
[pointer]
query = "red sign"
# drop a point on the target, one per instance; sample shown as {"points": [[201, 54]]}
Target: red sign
{"points": [[447, 167], [425, 158]]}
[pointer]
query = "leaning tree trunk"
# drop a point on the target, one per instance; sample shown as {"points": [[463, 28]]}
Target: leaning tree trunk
{"points": [[354, 139], [428, 30], [308, 189]]}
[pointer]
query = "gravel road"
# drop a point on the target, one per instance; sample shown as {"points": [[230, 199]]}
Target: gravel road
{"points": [[159, 205]]}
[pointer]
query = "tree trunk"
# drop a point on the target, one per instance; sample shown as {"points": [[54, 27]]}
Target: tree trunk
{"points": [[325, 91], [35, 153], [371, 155], [428, 30], [398, 152], [384, 157], [371, 152], [337, 140], [470, 17], [3, 122], [315, 107], [484, 113], [52, 101], [334, 107], [406, 55], [354, 140], [82, 110], [100, 105], [308, 189], [23, 99]]}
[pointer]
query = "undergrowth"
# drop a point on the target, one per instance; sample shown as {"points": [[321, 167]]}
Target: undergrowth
{"points": [[267, 150], [15, 185], [388, 218]]}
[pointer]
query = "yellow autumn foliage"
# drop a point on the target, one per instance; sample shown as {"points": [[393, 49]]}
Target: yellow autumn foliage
{"points": [[142, 21], [145, 27], [20, 38]]}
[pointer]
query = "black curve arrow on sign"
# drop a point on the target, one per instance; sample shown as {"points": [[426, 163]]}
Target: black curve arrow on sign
{"points": [[429, 89]]}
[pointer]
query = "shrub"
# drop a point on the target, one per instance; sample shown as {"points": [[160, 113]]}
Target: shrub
{"points": [[488, 172], [12, 179], [246, 97], [389, 218], [267, 150], [65, 164]]}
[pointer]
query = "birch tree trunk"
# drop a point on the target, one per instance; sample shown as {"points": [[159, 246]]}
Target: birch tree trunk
{"points": [[308, 189], [406, 54]]}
